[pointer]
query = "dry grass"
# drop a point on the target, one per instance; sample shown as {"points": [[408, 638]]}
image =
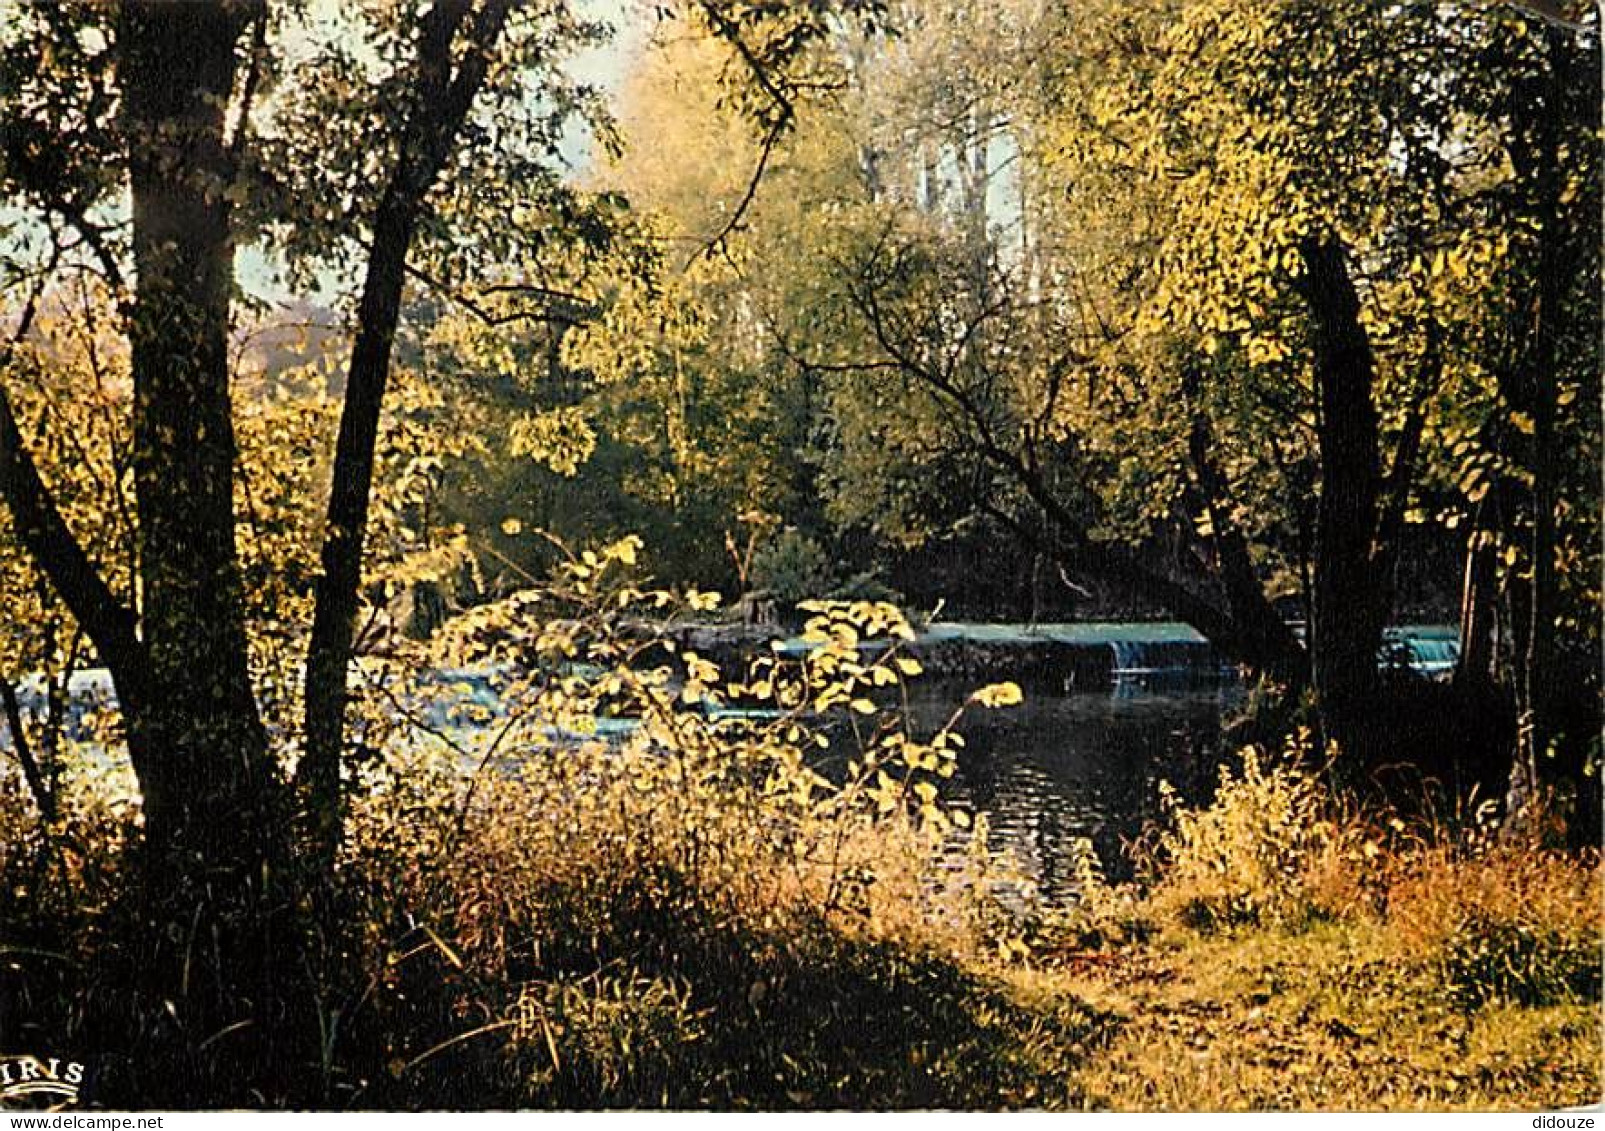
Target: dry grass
{"points": [[1332, 1018], [620, 930]]}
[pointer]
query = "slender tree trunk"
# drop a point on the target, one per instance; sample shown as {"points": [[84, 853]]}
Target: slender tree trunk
{"points": [[338, 596], [1529, 386], [1276, 656], [1346, 633], [39, 783], [1266, 637], [1476, 666], [442, 97]]}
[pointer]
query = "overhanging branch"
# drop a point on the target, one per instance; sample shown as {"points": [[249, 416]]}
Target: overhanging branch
{"points": [[38, 522]]}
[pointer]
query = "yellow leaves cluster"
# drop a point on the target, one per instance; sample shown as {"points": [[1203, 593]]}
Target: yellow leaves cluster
{"points": [[708, 753], [1245, 857], [560, 439]]}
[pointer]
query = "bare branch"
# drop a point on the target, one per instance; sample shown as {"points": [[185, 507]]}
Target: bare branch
{"points": [[770, 140], [43, 796]]}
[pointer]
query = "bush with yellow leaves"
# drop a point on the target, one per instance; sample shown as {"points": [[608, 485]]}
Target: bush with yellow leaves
{"points": [[1495, 916], [1249, 855]]}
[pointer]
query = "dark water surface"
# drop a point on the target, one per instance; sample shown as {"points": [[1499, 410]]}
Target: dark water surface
{"points": [[1082, 765]]}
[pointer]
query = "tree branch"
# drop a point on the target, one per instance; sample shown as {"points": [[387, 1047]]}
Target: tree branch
{"points": [[39, 523], [43, 796], [1064, 537]]}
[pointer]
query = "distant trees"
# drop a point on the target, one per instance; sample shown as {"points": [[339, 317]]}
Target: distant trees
{"points": [[1231, 307]]}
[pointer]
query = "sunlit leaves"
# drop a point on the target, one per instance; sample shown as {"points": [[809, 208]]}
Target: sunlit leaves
{"points": [[605, 721], [561, 439], [329, 138], [999, 695]]}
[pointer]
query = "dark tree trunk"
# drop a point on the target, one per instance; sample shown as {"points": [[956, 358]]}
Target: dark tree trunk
{"points": [[206, 777], [1347, 606], [212, 872], [40, 782], [1271, 653], [1267, 643], [1529, 386], [1478, 597], [442, 98], [338, 599]]}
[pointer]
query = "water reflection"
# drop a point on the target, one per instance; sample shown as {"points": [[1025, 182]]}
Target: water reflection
{"points": [[1062, 767]]}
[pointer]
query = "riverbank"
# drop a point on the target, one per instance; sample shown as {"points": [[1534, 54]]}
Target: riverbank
{"points": [[1335, 1017], [1278, 951]]}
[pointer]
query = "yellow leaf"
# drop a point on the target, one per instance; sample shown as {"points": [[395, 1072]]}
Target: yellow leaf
{"points": [[999, 695]]}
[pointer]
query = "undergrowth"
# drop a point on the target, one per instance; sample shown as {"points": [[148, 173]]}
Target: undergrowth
{"points": [[1283, 949]]}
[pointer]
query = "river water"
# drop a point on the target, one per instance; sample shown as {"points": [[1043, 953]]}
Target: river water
{"points": [[1082, 765], [1082, 758]]}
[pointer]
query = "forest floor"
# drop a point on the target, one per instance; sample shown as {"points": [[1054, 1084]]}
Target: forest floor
{"points": [[642, 948]]}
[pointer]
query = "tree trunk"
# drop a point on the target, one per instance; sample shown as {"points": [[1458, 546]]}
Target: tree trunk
{"points": [[40, 781], [1269, 643], [338, 597], [441, 101], [1347, 607], [206, 776], [1529, 387], [215, 837], [1476, 666]]}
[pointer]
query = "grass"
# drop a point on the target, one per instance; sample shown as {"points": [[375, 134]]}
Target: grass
{"points": [[1288, 953], [612, 958], [1279, 952], [1331, 1018]]}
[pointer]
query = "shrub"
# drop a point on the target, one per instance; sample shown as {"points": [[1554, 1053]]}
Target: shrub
{"points": [[792, 567], [1486, 959], [700, 910], [1101, 916], [1244, 858]]}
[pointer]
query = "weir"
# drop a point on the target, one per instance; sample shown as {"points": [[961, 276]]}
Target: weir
{"points": [[1048, 657], [1092, 656], [1430, 649]]}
